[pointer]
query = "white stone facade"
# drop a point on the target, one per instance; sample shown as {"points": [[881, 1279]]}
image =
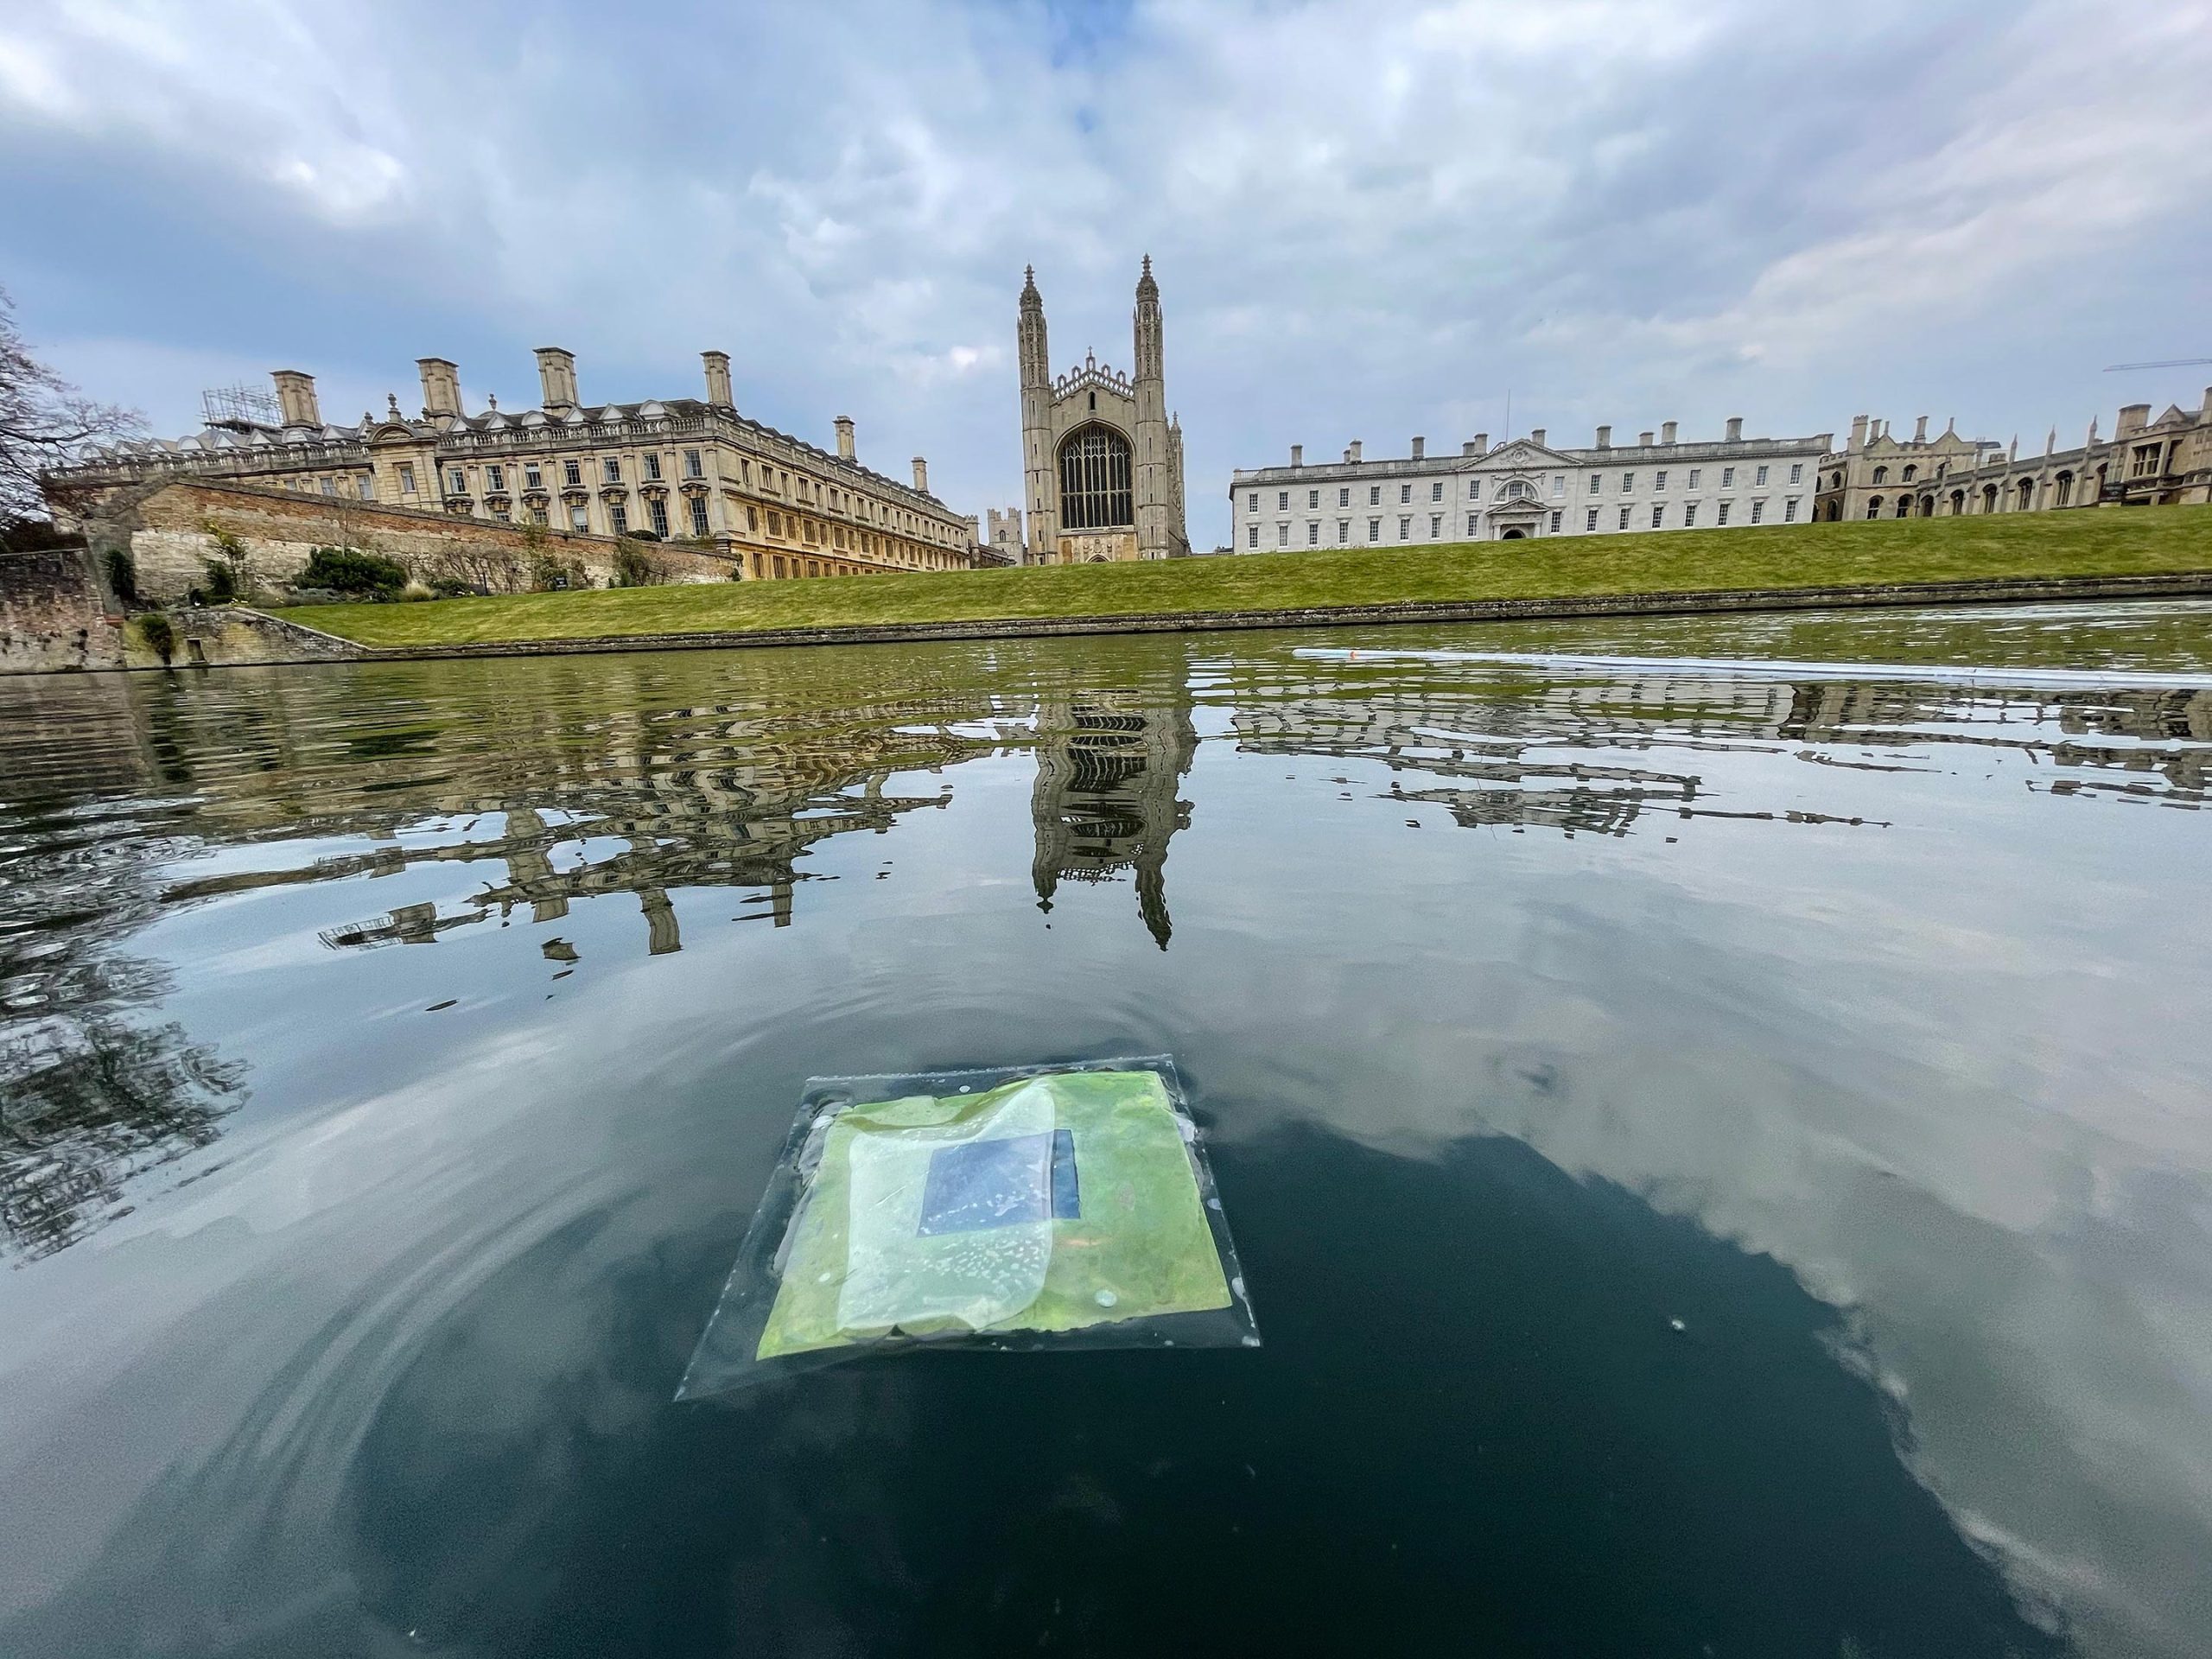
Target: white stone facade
{"points": [[1525, 488]]}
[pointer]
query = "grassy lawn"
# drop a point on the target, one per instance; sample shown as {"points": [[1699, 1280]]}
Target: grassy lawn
{"points": [[2109, 542]]}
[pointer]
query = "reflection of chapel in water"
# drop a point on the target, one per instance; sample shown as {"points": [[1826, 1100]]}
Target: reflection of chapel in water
{"points": [[1105, 797]]}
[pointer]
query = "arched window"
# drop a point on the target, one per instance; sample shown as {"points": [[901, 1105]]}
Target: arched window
{"points": [[1958, 503], [2027, 494], [1874, 507], [1881, 474], [1909, 471], [1519, 490], [1904, 507], [2065, 489], [1989, 498], [1094, 480], [1928, 506]]}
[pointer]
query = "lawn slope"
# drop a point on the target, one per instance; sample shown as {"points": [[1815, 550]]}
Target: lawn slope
{"points": [[2104, 543]]}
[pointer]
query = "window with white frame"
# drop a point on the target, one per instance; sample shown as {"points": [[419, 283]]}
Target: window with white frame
{"points": [[613, 467], [1282, 500], [1474, 489], [1759, 511], [1436, 491], [1790, 511], [1312, 533], [1628, 482], [330, 487], [572, 473], [1659, 479], [1727, 478], [657, 512], [456, 482], [532, 479], [1696, 474], [1405, 527], [1590, 523], [1282, 535], [1759, 477], [693, 467], [1470, 526], [1597, 482], [1555, 518], [1689, 515], [1375, 530], [406, 478], [368, 489], [1343, 531], [579, 519], [1559, 485], [1658, 516], [698, 515], [1798, 472], [1721, 513], [495, 479], [1624, 523], [1313, 497], [1405, 493], [1251, 535], [653, 467], [1436, 526], [619, 517], [1374, 495], [1344, 497], [1252, 502]]}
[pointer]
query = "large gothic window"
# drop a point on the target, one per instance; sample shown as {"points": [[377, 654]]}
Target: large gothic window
{"points": [[1094, 480]]}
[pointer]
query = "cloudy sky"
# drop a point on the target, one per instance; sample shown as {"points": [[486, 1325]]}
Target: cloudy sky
{"points": [[1367, 220]]}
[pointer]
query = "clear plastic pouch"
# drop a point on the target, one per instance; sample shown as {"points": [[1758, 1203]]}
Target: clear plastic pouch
{"points": [[1026, 1207]]}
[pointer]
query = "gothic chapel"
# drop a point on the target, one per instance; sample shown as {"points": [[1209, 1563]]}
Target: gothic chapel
{"points": [[1102, 462]]}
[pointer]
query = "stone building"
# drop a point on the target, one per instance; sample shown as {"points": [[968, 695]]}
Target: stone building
{"points": [[1525, 488], [685, 469], [1110, 767], [1102, 459], [2166, 462]]}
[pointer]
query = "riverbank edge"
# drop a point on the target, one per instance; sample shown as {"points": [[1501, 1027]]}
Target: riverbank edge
{"points": [[315, 646]]}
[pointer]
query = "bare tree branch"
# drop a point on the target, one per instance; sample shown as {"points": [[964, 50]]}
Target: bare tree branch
{"points": [[44, 422]]}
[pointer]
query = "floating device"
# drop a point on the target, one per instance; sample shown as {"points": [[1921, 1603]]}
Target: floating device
{"points": [[1053, 1206]]}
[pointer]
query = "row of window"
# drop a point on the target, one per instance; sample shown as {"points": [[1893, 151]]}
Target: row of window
{"points": [[1690, 517], [1519, 488]]}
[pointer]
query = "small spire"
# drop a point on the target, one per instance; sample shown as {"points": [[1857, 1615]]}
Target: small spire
{"points": [[1147, 288]]}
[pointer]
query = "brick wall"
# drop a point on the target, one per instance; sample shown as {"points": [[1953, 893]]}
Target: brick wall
{"points": [[170, 530], [54, 615]]}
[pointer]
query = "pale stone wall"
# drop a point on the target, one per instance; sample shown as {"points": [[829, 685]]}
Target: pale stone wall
{"points": [[171, 530]]}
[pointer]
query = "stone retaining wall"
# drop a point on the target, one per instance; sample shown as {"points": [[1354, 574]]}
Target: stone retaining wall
{"points": [[170, 530], [55, 614]]}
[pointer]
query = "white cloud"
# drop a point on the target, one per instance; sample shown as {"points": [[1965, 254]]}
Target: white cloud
{"points": [[1364, 220]]}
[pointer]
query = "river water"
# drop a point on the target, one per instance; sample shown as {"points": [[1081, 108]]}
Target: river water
{"points": [[1713, 1114]]}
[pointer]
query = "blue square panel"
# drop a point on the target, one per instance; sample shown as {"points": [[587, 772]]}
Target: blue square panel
{"points": [[974, 1184]]}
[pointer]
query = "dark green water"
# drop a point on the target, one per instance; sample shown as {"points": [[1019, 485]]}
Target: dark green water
{"points": [[1720, 1154]]}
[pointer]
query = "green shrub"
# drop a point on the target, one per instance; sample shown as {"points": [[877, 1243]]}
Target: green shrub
{"points": [[122, 574], [634, 567], [160, 639], [344, 570]]}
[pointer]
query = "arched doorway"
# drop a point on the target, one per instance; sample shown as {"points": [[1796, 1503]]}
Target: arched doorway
{"points": [[1516, 534]]}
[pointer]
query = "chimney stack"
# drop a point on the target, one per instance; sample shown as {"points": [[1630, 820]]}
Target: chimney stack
{"points": [[1735, 428], [2134, 418], [1482, 443], [2208, 402], [1297, 454], [1537, 435], [1420, 448], [1468, 448], [1859, 432], [557, 378], [1920, 431], [441, 386], [718, 380], [844, 438], [295, 397], [1666, 432], [1604, 437], [1352, 453], [1643, 439], [921, 475]]}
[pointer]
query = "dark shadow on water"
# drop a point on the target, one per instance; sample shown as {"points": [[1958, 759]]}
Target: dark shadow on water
{"points": [[1473, 1428]]}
